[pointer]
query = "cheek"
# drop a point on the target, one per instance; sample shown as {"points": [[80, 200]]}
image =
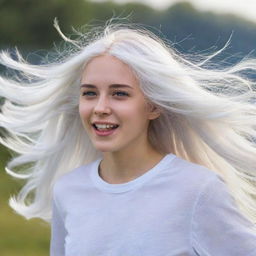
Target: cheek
{"points": [[133, 113], [84, 112]]}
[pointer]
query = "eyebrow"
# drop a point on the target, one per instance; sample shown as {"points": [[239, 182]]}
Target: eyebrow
{"points": [[111, 86]]}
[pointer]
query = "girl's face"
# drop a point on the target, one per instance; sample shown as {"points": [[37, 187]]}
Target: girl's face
{"points": [[110, 94]]}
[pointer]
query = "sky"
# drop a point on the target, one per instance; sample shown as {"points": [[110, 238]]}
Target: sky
{"points": [[244, 8]]}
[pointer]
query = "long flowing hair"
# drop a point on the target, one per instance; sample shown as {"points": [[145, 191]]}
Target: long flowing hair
{"points": [[208, 113]]}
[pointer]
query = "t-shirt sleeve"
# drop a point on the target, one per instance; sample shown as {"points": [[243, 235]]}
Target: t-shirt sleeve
{"points": [[58, 232], [217, 225]]}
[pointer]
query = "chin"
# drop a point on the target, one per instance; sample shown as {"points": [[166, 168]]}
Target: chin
{"points": [[105, 148], [109, 149]]}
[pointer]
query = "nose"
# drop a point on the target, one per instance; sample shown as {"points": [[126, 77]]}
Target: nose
{"points": [[102, 106]]}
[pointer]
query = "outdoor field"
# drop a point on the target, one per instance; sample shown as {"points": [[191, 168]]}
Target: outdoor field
{"points": [[18, 237]]}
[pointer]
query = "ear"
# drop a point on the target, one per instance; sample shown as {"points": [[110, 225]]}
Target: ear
{"points": [[154, 111]]}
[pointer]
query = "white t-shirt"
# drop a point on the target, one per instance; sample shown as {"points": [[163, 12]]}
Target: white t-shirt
{"points": [[174, 209]]}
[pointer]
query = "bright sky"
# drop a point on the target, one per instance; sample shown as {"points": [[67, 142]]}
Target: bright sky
{"points": [[244, 8]]}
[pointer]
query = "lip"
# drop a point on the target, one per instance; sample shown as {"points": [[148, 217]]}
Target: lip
{"points": [[101, 122], [104, 133]]}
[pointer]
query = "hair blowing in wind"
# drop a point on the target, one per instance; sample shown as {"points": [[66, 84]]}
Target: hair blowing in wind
{"points": [[208, 113]]}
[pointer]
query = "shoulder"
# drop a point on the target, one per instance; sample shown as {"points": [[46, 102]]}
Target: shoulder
{"points": [[79, 175], [209, 189], [186, 181], [193, 175], [216, 204], [217, 225]]}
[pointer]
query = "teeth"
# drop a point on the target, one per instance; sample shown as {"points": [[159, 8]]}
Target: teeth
{"points": [[105, 126]]}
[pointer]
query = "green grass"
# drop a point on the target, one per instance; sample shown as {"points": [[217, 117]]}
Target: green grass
{"points": [[18, 236]]}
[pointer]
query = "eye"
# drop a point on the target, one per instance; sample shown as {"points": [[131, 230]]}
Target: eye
{"points": [[120, 93], [88, 93]]}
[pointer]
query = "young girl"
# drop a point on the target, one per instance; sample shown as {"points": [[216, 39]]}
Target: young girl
{"points": [[132, 150]]}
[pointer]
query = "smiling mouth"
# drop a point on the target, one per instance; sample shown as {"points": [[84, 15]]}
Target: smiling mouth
{"points": [[105, 127]]}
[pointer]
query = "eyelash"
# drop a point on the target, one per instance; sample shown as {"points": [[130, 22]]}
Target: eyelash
{"points": [[87, 93]]}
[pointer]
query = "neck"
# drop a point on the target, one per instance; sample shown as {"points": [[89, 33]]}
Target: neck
{"points": [[121, 167]]}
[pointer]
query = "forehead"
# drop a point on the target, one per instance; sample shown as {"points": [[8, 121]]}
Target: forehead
{"points": [[108, 69]]}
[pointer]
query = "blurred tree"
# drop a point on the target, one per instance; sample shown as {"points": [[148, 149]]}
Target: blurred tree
{"points": [[193, 30], [28, 23]]}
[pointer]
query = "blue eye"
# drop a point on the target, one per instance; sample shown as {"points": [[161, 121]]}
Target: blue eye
{"points": [[92, 93], [119, 93], [88, 93]]}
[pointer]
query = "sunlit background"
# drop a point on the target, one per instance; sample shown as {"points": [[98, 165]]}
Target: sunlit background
{"points": [[245, 9], [193, 27]]}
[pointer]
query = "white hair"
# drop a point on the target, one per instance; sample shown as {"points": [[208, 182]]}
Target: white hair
{"points": [[207, 114]]}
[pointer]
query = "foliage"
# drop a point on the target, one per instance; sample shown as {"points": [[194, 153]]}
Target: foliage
{"points": [[187, 27]]}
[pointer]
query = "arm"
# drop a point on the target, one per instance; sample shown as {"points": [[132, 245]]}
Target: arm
{"points": [[217, 225], [58, 232]]}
